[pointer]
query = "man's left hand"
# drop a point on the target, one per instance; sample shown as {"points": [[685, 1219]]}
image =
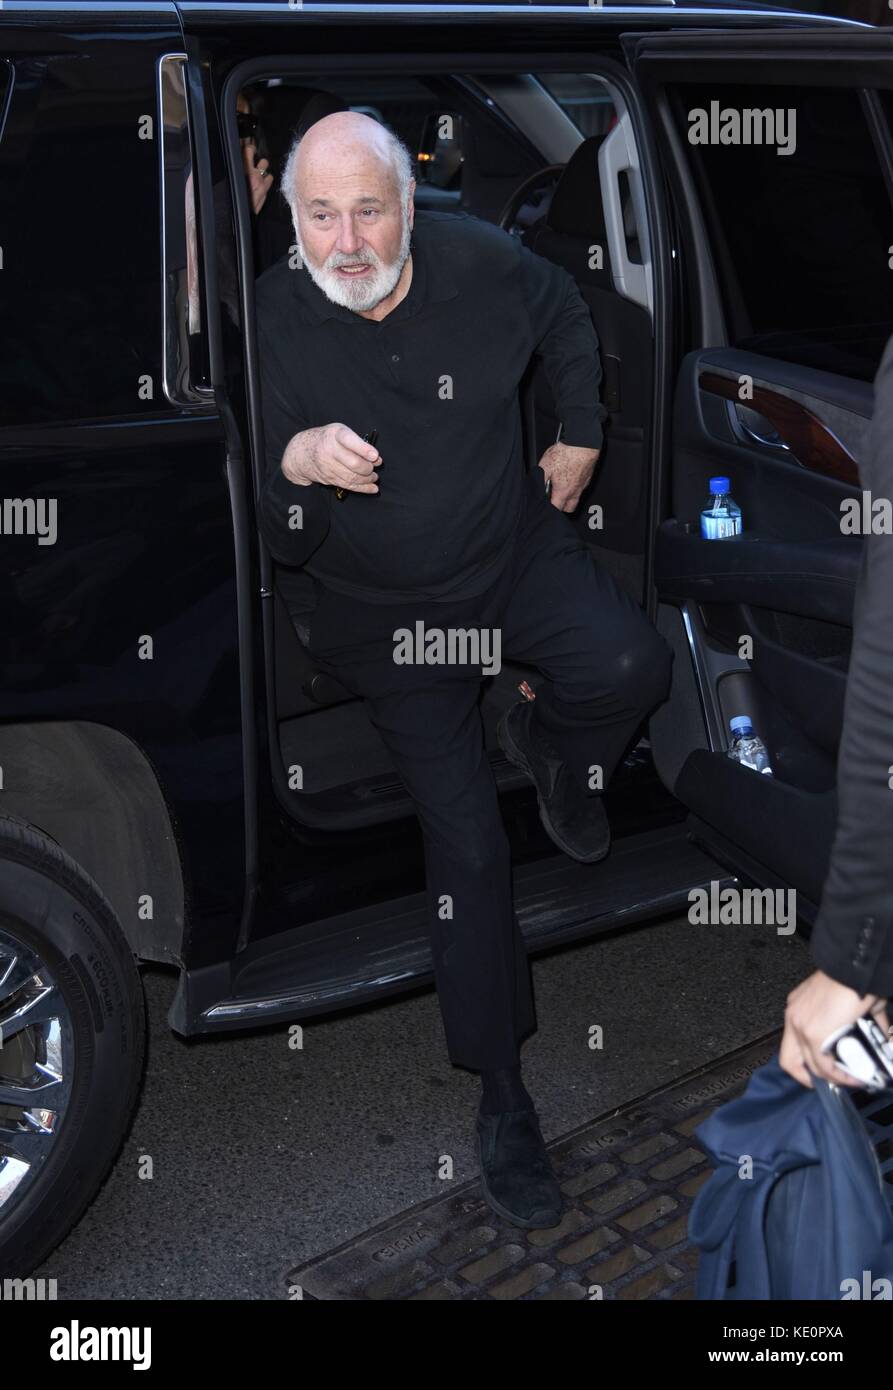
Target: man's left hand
{"points": [[570, 469], [815, 1010]]}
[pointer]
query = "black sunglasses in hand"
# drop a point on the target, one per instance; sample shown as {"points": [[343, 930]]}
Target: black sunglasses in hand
{"points": [[370, 438]]}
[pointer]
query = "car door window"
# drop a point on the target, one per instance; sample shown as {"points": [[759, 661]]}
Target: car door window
{"points": [[799, 220], [5, 84], [185, 353]]}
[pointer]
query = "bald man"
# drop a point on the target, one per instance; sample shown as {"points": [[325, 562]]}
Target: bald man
{"points": [[432, 555]]}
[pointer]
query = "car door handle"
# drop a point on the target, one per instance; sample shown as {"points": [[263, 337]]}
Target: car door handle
{"points": [[812, 443], [770, 440]]}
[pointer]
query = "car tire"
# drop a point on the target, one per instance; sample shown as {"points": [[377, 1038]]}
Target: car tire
{"points": [[72, 1050]]}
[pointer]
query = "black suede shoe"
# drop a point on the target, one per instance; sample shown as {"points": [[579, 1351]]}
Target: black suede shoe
{"points": [[575, 822], [516, 1175]]}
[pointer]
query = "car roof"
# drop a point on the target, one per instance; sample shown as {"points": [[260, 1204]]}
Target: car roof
{"points": [[705, 12]]}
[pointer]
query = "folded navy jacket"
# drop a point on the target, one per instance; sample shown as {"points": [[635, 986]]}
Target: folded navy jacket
{"points": [[812, 1221]]}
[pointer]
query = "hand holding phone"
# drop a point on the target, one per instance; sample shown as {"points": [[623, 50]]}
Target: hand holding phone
{"points": [[863, 1051]]}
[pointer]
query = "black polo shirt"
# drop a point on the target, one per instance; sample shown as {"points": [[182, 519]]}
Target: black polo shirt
{"points": [[438, 378]]}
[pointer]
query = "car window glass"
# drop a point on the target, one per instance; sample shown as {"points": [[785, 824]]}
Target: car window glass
{"points": [[583, 98], [799, 219], [185, 363], [5, 80], [431, 130]]}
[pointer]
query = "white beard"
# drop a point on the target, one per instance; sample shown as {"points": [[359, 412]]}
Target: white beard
{"points": [[367, 290]]}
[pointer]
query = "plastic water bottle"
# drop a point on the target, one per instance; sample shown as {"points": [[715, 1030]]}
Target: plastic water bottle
{"points": [[722, 516], [747, 747]]}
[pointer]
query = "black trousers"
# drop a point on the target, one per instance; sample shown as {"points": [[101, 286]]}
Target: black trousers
{"points": [[605, 666]]}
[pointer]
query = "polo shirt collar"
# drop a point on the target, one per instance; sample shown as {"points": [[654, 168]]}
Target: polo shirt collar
{"points": [[431, 282]]}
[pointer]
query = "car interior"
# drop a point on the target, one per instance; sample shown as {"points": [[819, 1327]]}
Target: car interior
{"points": [[781, 404], [550, 159]]}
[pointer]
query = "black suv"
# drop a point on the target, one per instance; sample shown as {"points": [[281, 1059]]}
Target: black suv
{"points": [[178, 782]]}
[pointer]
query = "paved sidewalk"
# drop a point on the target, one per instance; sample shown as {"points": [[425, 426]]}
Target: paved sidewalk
{"points": [[264, 1157], [629, 1180]]}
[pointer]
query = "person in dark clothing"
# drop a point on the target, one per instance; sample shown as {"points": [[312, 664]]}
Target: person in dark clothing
{"points": [[852, 940], [420, 327]]}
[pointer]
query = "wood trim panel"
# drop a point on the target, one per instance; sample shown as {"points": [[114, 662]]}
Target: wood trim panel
{"points": [[811, 442]]}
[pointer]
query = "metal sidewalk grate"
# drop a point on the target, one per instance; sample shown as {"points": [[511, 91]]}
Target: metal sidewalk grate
{"points": [[628, 1178]]}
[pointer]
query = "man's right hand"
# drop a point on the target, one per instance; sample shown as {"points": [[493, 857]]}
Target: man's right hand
{"points": [[816, 1009], [334, 455]]}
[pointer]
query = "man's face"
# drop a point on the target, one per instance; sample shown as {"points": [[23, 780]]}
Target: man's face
{"points": [[353, 233]]}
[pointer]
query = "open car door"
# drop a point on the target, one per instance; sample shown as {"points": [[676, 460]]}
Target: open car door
{"points": [[778, 166]]}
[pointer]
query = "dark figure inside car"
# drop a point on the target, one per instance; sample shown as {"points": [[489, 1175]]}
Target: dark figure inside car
{"points": [[433, 555], [271, 115]]}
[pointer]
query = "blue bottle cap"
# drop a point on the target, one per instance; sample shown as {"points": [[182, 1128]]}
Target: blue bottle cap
{"points": [[740, 723], [719, 485]]}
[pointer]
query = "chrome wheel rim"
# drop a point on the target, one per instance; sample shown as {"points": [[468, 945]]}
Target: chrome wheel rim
{"points": [[36, 1055]]}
